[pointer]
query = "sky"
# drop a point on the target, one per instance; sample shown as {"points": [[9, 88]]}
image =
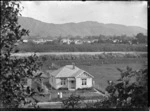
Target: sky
{"points": [[130, 13]]}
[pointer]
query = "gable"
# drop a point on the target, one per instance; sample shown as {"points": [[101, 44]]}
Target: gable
{"points": [[84, 75]]}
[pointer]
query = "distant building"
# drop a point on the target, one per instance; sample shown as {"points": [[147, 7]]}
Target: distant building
{"points": [[87, 41], [95, 40], [66, 41], [48, 40], [25, 41], [78, 42]]}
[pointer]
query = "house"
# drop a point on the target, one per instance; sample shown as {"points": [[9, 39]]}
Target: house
{"points": [[66, 41], [70, 77], [78, 42], [94, 41]]}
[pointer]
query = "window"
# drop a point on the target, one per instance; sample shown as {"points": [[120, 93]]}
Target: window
{"points": [[83, 81], [63, 81]]}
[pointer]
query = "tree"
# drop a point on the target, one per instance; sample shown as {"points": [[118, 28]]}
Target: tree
{"points": [[129, 91], [13, 69], [141, 38]]}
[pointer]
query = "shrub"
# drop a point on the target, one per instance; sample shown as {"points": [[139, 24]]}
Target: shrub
{"points": [[63, 88], [72, 102]]}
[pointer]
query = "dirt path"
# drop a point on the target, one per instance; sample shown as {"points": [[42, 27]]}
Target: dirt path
{"points": [[98, 92]]}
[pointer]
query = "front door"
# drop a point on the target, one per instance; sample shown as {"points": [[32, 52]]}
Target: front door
{"points": [[72, 84]]}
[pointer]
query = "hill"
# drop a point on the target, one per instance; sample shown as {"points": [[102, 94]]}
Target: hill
{"points": [[39, 29]]}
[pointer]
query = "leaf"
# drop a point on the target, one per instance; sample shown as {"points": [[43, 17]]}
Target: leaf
{"points": [[39, 75], [120, 70]]}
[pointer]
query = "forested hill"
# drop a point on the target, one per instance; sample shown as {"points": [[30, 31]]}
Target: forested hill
{"points": [[88, 28]]}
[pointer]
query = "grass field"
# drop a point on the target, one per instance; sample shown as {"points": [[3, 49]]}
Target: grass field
{"points": [[66, 93], [47, 63], [105, 72]]}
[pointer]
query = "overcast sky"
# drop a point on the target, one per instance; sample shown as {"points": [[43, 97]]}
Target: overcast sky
{"points": [[131, 13]]}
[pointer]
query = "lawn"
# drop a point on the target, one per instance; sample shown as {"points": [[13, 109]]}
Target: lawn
{"points": [[105, 72], [86, 95], [91, 63]]}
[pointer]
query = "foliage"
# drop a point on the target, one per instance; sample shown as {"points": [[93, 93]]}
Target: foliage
{"points": [[130, 91], [72, 102], [14, 70], [63, 88], [31, 47], [141, 38], [102, 56]]}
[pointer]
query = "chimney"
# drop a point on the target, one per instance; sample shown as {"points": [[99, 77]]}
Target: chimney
{"points": [[73, 65]]}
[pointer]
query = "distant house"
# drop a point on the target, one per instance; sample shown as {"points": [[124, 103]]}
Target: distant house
{"points": [[78, 42], [66, 41], [42, 41], [116, 40], [71, 77], [49, 40], [95, 40], [25, 41]]}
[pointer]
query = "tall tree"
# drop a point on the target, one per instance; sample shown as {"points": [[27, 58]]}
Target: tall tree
{"points": [[141, 38], [14, 70], [130, 91]]}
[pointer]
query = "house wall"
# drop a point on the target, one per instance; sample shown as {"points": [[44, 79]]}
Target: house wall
{"points": [[89, 81], [58, 83], [79, 83]]}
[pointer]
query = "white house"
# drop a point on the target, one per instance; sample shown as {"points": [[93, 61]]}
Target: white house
{"points": [[71, 77], [66, 41], [78, 42]]}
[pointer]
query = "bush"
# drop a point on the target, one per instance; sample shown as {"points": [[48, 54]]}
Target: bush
{"points": [[63, 88], [86, 89], [126, 93], [73, 101], [80, 48]]}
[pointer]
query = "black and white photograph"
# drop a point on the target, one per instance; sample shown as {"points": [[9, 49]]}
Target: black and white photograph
{"points": [[74, 55]]}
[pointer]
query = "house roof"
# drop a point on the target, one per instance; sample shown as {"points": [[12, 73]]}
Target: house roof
{"points": [[68, 71]]}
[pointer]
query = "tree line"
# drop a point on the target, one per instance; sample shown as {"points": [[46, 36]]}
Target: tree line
{"points": [[91, 57], [31, 47]]}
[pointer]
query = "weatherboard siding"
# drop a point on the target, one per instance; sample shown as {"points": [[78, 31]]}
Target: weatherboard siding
{"points": [[79, 81], [58, 83]]}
